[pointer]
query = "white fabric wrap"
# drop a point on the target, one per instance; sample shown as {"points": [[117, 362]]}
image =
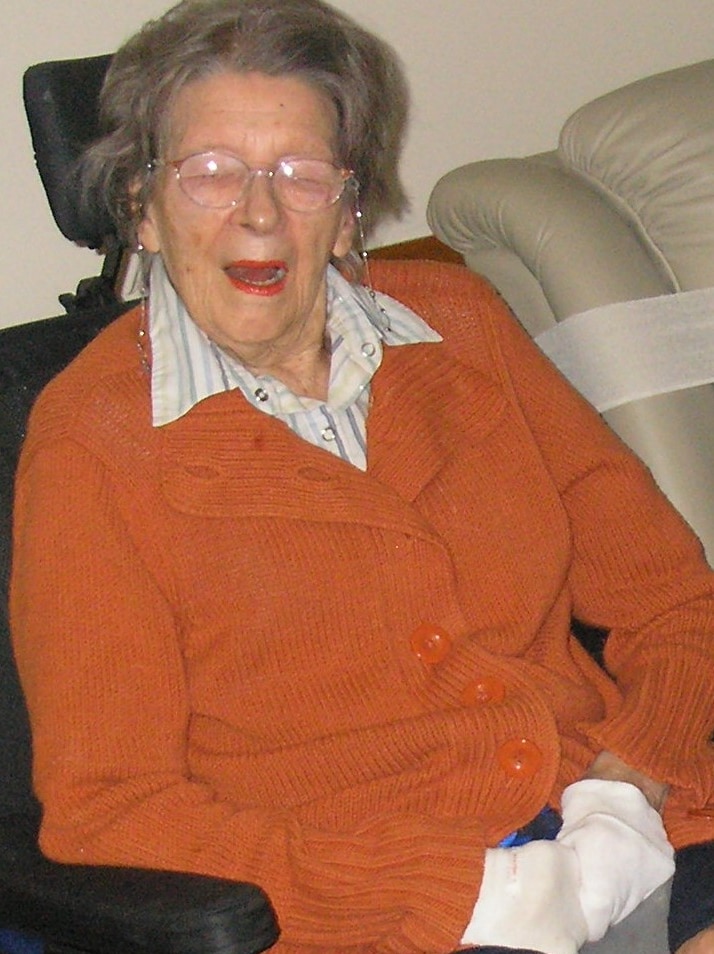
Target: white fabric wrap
{"points": [[552, 896], [621, 846], [636, 349], [529, 898]]}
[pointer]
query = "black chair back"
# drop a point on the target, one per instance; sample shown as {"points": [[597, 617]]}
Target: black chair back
{"points": [[62, 103], [30, 355], [62, 106]]}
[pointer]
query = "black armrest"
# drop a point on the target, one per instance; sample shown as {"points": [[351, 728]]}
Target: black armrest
{"points": [[692, 904], [109, 910]]}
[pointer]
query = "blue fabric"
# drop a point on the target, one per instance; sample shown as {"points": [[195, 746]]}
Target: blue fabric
{"points": [[544, 827], [13, 943]]}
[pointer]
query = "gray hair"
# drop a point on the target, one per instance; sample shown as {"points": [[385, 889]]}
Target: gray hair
{"points": [[307, 39]]}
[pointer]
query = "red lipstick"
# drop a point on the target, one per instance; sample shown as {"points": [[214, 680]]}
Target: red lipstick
{"points": [[265, 278]]}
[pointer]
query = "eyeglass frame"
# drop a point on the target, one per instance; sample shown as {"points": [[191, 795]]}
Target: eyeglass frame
{"points": [[348, 177]]}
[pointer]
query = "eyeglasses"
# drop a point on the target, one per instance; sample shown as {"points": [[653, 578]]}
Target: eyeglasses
{"points": [[219, 180]]}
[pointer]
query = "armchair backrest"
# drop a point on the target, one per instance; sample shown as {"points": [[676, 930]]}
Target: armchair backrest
{"points": [[623, 208], [648, 150]]}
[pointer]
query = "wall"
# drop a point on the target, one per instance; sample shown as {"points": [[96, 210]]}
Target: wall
{"points": [[489, 78]]}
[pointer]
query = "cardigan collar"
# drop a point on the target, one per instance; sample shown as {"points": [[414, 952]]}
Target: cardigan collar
{"points": [[226, 458]]}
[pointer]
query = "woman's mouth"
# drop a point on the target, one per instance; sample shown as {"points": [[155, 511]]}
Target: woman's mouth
{"points": [[258, 278]]}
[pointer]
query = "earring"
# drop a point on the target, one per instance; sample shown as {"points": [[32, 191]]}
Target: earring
{"points": [[141, 279], [380, 315]]}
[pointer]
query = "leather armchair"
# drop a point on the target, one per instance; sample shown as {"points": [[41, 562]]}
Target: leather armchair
{"points": [[622, 211]]}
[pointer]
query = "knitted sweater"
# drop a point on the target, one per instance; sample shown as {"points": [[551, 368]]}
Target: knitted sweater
{"points": [[244, 657]]}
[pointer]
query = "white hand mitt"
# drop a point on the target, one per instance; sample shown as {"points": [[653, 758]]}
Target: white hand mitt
{"points": [[529, 899], [621, 845]]}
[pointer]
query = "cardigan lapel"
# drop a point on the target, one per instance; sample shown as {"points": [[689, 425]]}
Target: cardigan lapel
{"points": [[426, 407], [225, 458]]}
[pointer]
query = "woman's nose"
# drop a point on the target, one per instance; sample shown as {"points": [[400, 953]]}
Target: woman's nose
{"points": [[258, 208]]}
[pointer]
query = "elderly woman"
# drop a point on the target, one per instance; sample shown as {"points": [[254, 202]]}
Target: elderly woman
{"points": [[296, 560]]}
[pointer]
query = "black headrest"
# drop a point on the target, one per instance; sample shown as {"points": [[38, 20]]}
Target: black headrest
{"points": [[62, 106]]}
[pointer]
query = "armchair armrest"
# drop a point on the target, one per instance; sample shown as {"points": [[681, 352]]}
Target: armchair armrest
{"points": [[109, 910], [547, 240]]}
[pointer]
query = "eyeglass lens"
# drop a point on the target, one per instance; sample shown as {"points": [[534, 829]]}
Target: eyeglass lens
{"points": [[217, 180]]}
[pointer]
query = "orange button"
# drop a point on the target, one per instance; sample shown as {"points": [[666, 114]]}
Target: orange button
{"points": [[430, 643], [520, 758], [482, 691]]}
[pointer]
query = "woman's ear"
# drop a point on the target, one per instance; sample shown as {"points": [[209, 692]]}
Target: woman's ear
{"points": [[345, 233], [142, 214], [146, 232]]}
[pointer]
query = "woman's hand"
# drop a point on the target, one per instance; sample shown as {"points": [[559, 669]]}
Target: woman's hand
{"points": [[702, 943], [609, 767]]}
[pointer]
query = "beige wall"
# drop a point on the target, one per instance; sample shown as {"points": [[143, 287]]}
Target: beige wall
{"points": [[489, 78]]}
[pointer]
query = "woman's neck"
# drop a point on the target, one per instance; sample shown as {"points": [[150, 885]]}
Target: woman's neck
{"points": [[306, 373]]}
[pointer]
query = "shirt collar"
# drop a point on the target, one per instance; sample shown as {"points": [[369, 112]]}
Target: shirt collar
{"points": [[186, 367]]}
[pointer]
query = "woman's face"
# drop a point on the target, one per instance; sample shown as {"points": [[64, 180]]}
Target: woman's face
{"points": [[252, 276]]}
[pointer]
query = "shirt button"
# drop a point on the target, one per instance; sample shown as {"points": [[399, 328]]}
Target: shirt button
{"points": [[520, 758], [430, 643], [328, 434], [482, 691], [368, 349], [261, 394]]}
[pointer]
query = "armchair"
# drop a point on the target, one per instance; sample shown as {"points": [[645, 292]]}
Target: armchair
{"points": [[67, 909], [604, 248]]}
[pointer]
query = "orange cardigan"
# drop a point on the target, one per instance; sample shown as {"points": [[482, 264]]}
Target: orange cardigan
{"points": [[244, 657]]}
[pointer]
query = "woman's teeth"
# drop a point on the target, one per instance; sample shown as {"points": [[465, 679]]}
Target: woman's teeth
{"points": [[262, 276]]}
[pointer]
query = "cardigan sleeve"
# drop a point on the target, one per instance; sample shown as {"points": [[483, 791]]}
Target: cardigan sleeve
{"points": [[98, 649], [637, 570]]}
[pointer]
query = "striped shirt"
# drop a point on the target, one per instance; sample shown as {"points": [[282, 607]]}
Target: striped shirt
{"points": [[187, 367]]}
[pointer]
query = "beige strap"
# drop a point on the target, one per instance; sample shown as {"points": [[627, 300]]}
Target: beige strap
{"points": [[636, 349]]}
